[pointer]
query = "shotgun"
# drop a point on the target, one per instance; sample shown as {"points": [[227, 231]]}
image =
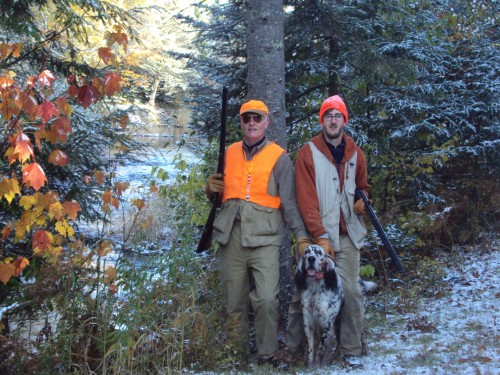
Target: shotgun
{"points": [[380, 231], [206, 236]]}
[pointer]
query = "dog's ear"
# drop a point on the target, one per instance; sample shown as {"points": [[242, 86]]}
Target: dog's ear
{"points": [[331, 281], [300, 275]]}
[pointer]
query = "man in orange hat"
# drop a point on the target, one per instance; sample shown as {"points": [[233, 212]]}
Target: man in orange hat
{"points": [[329, 169], [258, 197]]}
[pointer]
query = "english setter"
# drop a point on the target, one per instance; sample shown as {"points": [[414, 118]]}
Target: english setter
{"points": [[322, 297]]}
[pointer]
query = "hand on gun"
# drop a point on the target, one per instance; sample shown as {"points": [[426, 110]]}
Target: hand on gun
{"points": [[215, 183], [359, 207]]}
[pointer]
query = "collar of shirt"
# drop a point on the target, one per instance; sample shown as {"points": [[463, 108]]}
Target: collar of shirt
{"points": [[255, 147], [337, 152]]}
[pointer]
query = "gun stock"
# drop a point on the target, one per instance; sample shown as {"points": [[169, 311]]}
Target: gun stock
{"points": [[206, 236], [381, 232]]}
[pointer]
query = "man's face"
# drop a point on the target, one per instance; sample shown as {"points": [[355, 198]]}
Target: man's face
{"points": [[254, 126], [333, 124]]}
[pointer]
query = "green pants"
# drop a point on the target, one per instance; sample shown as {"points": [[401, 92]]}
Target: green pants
{"points": [[239, 265], [353, 310]]}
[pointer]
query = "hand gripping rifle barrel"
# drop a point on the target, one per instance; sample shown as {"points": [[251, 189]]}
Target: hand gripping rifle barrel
{"points": [[380, 231], [206, 236]]}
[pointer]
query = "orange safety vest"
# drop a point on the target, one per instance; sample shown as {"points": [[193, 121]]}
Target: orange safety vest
{"points": [[248, 180]]}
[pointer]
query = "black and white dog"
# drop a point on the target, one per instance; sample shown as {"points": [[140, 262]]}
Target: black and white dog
{"points": [[322, 297]]}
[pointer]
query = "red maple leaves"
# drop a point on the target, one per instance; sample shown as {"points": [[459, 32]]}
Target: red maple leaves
{"points": [[34, 176], [31, 115]]}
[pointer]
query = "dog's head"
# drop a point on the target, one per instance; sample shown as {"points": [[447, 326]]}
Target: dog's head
{"points": [[315, 264]]}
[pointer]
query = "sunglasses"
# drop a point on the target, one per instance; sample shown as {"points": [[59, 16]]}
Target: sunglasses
{"points": [[248, 117]]}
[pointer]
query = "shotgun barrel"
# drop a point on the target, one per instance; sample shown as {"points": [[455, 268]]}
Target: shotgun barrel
{"points": [[380, 231], [206, 236]]}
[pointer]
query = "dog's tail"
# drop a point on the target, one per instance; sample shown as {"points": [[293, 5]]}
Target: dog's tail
{"points": [[368, 286]]}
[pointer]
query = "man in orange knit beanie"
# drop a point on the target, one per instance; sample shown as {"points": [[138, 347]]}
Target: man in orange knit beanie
{"points": [[329, 169]]}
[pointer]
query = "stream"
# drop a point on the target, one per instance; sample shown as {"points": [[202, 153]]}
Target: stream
{"points": [[138, 173]]}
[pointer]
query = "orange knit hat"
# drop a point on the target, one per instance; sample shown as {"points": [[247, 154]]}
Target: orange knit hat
{"points": [[333, 102], [255, 106]]}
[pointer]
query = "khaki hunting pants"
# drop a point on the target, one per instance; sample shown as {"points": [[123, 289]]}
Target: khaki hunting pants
{"points": [[353, 310], [238, 265]]}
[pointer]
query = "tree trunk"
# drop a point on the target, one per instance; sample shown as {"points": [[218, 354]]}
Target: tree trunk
{"points": [[333, 80], [266, 61], [266, 82]]}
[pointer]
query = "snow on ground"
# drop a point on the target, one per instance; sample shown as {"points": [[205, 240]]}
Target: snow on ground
{"points": [[455, 332]]}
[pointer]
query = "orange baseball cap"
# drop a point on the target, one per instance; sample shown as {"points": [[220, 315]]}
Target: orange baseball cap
{"points": [[333, 102], [255, 106]]}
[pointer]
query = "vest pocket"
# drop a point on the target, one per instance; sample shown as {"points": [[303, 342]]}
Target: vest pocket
{"points": [[223, 223], [265, 220]]}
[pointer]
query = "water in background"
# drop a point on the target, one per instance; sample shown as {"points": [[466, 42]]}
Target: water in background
{"points": [[160, 154]]}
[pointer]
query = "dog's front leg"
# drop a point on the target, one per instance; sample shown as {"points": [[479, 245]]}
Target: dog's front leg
{"points": [[310, 344], [326, 343]]}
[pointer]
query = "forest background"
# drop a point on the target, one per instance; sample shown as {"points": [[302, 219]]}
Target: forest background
{"points": [[80, 79]]}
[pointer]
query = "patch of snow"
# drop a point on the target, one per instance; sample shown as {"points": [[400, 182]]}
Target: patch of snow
{"points": [[462, 335], [454, 332], [7, 308]]}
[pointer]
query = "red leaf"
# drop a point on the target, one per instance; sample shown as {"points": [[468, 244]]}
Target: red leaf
{"points": [[72, 208], [104, 248], [5, 232], [47, 110], [11, 102], [42, 241], [63, 106], [121, 187], [30, 105], [46, 78], [99, 176], [58, 157], [105, 54], [59, 130], [7, 270], [117, 37], [6, 81], [17, 48], [23, 148], [5, 49], [115, 202], [20, 263], [87, 95], [112, 83], [34, 176], [39, 134], [72, 91], [107, 196]]}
